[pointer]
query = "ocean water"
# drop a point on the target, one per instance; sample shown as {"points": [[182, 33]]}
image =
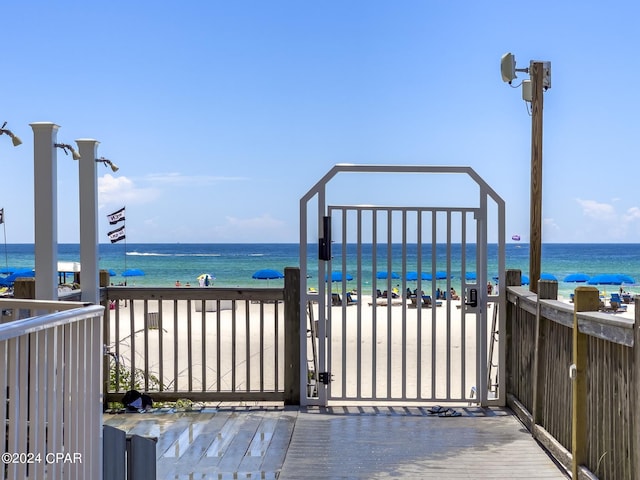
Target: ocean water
{"points": [[233, 264]]}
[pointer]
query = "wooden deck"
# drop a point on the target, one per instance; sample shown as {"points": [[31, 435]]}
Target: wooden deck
{"points": [[349, 442]]}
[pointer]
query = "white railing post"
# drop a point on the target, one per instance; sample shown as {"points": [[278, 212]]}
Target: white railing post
{"points": [[45, 194], [50, 388], [88, 192]]}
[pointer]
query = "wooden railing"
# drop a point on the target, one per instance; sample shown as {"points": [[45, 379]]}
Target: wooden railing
{"points": [[50, 389], [577, 390], [204, 344]]}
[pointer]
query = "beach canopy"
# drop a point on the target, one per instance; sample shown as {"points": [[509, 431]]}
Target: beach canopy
{"points": [[267, 274], [337, 277], [548, 276], [577, 278], [133, 272], [611, 279], [386, 275]]}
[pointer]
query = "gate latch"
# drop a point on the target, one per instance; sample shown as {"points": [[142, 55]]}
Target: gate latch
{"points": [[324, 377], [473, 298]]}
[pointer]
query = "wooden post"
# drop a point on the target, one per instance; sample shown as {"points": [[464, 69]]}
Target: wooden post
{"points": [[25, 288], [292, 336], [586, 299], [513, 278], [536, 72], [104, 278], [547, 290]]}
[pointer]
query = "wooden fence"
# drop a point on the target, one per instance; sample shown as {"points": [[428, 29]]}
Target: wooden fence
{"points": [[576, 389], [204, 344]]}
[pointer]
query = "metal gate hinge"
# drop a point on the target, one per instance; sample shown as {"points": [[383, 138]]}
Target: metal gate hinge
{"points": [[324, 377]]}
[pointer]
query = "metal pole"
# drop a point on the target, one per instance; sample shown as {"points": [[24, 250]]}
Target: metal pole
{"points": [[535, 235]]}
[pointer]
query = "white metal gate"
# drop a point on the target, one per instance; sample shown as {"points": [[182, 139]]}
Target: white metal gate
{"points": [[402, 294]]}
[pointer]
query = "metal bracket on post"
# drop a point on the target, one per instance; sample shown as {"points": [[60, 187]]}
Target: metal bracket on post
{"points": [[324, 377]]}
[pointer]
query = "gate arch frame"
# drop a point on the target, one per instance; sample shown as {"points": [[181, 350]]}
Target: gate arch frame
{"points": [[486, 193]]}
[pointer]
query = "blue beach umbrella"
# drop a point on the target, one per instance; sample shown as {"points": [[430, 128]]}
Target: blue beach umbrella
{"points": [[524, 280], [337, 277], [610, 279], [628, 280], [267, 274], [442, 275], [470, 276], [133, 272], [112, 272], [577, 278], [386, 275], [413, 276], [548, 276]]}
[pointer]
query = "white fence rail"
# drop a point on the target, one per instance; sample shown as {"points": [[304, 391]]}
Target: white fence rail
{"points": [[50, 389]]}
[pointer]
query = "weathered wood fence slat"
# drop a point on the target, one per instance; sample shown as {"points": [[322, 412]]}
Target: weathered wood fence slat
{"points": [[571, 377]]}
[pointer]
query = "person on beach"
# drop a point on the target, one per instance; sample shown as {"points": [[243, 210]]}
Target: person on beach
{"points": [[489, 288], [178, 284]]}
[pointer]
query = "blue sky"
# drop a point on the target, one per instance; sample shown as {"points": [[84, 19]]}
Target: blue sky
{"points": [[221, 115]]}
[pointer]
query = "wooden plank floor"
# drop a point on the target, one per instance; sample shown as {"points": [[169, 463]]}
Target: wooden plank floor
{"points": [[350, 442]]}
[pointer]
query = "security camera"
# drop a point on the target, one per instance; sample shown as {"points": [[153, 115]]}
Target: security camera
{"points": [[508, 67]]}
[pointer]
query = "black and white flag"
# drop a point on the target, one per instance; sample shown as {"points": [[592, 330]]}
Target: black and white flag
{"points": [[117, 216], [116, 235], [1, 215]]}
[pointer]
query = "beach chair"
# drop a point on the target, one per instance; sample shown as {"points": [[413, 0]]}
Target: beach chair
{"points": [[335, 299], [426, 301], [350, 299], [616, 303]]}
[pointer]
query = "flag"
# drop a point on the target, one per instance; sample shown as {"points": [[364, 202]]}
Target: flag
{"points": [[1, 215], [117, 216], [116, 235]]}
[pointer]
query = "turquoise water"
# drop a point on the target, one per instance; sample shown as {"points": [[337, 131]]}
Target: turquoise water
{"points": [[233, 264]]}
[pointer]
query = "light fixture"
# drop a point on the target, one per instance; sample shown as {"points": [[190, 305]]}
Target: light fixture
{"points": [[65, 146], [14, 138], [105, 161]]}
